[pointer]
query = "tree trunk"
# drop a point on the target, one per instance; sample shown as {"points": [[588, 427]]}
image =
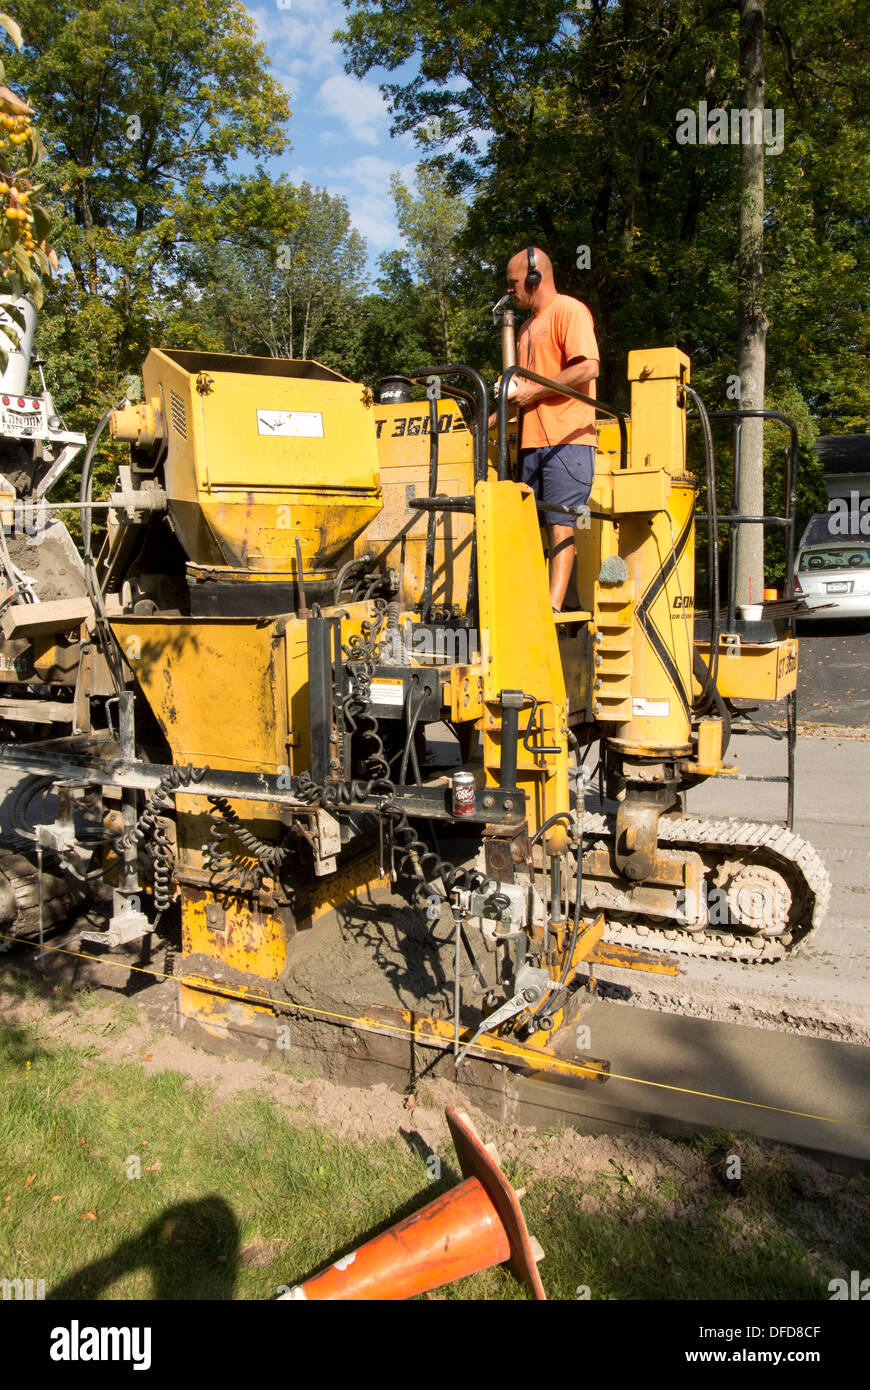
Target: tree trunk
{"points": [[92, 271], [445, 323], [305, 334], [753, 319]]}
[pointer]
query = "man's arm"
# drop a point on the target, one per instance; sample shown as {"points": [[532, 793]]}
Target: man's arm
{"points": [[575, 375]]}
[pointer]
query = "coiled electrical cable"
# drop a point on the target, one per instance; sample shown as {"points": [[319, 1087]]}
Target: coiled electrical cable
{"points": [[712, 538], [22, 797], [148, 832], [416, 861], [228, 869]]}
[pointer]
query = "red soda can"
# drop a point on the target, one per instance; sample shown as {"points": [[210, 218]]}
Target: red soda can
{"points": [[463, 794]]}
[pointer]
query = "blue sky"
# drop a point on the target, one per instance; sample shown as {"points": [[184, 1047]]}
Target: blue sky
{"points": [[340, 125]]}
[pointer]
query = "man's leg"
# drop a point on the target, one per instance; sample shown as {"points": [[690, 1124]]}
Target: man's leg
{"points": [[568, 473], [562, 555]]}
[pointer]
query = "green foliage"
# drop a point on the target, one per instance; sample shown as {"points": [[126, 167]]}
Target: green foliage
{"points": [[564, 133], [431, 224], [143, 106], [280, 271]]}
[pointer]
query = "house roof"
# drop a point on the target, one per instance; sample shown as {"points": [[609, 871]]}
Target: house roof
{"points": [[844, 453]]}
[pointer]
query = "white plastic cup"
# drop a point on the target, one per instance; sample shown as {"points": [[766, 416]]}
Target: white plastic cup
{"points": [[751, 612]]}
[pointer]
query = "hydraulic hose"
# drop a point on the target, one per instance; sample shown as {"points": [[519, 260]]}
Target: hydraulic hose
{"points": [[712, 532], [104, 636], [86, 488], [701, 672], [575, 927], [551, 820], [429, 570], [409, 741]]}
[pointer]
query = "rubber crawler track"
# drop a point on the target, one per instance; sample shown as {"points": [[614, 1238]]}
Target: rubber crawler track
{"points": [[796, 860]]}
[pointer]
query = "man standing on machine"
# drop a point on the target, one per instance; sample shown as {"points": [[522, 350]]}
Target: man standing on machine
{"points": [[557, 433]]}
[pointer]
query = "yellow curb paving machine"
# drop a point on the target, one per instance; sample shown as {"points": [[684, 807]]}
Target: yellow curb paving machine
{"points": [[297, 583]]}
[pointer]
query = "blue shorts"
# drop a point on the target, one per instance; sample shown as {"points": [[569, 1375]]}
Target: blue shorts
{"points": [[560, 473]]}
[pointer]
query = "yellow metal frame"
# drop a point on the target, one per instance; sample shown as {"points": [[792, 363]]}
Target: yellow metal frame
{"points": [[523, 646]]}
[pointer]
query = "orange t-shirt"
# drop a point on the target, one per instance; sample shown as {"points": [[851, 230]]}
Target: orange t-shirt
{"points": [[546, 343]]}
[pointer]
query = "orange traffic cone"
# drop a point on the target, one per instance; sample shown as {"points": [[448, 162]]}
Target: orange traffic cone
{"points": [[474, 1226]]}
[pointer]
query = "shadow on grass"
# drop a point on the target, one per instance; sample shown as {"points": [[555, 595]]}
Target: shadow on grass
{"points": [[65, 972], [191, 1249], [20, 1045]]}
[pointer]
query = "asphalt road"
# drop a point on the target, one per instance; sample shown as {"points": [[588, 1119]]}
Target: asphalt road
{"points": [[834, 673]]}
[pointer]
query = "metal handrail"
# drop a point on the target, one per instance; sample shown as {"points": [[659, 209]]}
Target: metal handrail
{"points": [[737, 519], [789, 481], [558, 390], [479, 437], [459, 369]]}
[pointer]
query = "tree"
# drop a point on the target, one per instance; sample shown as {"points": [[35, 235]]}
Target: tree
{"points": [[279, 286], [393, 331], [24, 223], [431, 225], [143, 106], [564, 133]]}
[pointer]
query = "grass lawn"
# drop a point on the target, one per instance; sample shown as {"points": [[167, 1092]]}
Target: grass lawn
{"points": [[116, 1182]]}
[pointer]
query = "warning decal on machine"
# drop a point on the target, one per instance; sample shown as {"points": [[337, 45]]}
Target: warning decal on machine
{"points": [[387, 692], [298, 424], [651, 709]]}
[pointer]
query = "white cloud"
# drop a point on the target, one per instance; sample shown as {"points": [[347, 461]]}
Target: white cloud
{"points": [[358, 105], [299, 39], [373, 219], [262, 18], [365, 184], [373, 171], [340, 124]]}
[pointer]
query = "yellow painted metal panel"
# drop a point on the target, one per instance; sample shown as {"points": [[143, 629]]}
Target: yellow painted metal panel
{"points": [[398, 533], [515, 607], [260, 451], [659, 551], [641, 490], [241, 423], [217, 687], [466, 692], [249, 940], [758, 671], [658, 438], [709, 752]]}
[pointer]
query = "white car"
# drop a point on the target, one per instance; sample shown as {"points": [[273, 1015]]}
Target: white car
{"points": [[834, 579]]}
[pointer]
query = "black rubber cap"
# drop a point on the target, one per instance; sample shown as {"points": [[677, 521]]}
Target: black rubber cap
{"points": [[394, 390]]}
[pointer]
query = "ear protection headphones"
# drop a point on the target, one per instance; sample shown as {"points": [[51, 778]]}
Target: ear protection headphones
{"points": [[533, 275]]}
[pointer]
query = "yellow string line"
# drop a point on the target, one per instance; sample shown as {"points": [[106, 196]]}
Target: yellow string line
{"points": [[374, 1026]]}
